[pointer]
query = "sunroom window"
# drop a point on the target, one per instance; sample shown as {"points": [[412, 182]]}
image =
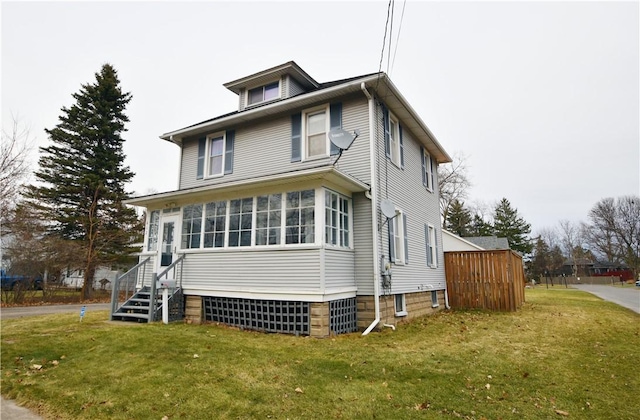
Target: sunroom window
{"points": [[336, 219], [240, 222], [268, 219], [154, 224], [300, 217]]}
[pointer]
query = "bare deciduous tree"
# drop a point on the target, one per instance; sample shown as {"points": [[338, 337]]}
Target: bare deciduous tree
{"points": [[453, 182], [571, 240], [614, 230], [14, 166]]}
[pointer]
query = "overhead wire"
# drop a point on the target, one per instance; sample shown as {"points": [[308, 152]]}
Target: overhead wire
{"points": [[393, 62]]}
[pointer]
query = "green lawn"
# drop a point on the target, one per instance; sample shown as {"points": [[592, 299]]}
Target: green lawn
{"points": [[565, 352]]}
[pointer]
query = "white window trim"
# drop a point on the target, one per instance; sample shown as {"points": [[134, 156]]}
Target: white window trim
{"points": [[207, 155], [428, 167], [398, 227], [394, 146], [432, 246], [246, 93], [303, 132], [402, 312]]}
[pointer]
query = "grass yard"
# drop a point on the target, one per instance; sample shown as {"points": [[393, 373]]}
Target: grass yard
{"points": [[566, 353]]}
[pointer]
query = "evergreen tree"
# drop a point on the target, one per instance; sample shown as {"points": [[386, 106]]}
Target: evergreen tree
{"points": [[82, 176], [508, 224], [458, 219], [480, 227]]}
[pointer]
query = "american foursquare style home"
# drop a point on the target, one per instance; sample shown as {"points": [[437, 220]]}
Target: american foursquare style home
{"points": [[278, 229]]}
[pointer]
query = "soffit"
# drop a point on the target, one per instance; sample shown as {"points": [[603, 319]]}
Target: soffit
{"points": [[327, 175]]}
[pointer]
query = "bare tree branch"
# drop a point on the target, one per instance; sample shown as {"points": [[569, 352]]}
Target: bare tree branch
{"points": [[454, 183]]}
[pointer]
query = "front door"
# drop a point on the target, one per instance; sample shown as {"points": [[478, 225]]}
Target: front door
{"points": [[167, 241]]}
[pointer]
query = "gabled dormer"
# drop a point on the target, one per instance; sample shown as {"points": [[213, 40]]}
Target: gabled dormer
{"points": [[274, 84]]}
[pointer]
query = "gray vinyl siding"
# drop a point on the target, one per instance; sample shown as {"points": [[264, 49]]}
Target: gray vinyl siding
{"points": [[294, 88], [284, 87], [355, 161], [363, 244], [404, 187], [264, 148], [243, 99], [339, 269], [261, 271], [145, 275]]}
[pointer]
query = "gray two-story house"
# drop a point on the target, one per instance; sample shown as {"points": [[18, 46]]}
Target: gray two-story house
{"points": [[280, 231]]}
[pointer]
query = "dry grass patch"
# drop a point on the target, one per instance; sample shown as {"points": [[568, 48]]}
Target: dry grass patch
{"points": [[564, 352]]}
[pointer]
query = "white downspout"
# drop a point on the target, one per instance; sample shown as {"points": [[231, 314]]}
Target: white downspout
{"points": [[446, 299], [373, 195]]}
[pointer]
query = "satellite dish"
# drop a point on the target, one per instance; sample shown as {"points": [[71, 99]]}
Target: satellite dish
{"points": [[388, 208], [341, 138]]}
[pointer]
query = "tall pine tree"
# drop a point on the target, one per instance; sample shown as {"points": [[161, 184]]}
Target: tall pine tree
{"points": [[82, 176], [508, 224], [458, 219]]}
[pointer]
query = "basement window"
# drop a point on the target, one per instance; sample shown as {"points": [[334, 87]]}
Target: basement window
{"points": [[400, 305], [434, 299]]}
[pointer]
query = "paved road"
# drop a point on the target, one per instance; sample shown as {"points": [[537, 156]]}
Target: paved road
{"points": [[9, 410], [18, 312], [628, 296]]}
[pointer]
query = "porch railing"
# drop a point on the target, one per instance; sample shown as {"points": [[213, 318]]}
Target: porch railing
{"points": [[176, 300], [126, 285]]}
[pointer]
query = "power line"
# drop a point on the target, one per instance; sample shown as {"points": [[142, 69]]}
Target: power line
{"points": [[398, 37], [384, 42], [393, 7]]}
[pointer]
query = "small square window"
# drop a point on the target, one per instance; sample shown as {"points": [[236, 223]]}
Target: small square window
{"points": [[400, 305], [434, 299]]}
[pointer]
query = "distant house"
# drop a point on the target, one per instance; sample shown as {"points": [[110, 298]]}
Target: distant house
{"points": [[280, 230], [452, 242], [75, 278]]}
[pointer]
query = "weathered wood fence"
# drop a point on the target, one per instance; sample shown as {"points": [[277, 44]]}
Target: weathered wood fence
{"points": [[491, 280]]}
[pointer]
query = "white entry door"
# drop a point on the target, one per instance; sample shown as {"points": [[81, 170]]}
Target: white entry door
{"points": [[168, 242]]}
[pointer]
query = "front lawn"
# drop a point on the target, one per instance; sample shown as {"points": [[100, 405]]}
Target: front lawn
{"points": [[566, 353]]}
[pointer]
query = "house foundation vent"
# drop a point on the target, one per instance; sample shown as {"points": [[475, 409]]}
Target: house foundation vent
{"points": [[343, 316], [261, 315]]}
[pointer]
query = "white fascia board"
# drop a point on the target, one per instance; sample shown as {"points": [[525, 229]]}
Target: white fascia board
{"points": [[411, 119], [326, 173], [293, 295]]}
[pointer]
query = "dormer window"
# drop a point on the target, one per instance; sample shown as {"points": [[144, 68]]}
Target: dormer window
{"points": [[263, 93]]}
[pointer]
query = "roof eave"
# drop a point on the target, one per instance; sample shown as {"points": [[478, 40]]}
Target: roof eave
{"points": [[327, 173]]}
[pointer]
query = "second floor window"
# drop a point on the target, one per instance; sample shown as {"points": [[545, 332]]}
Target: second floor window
{"points": [[316, 134], [216, 155], [394, 140]]}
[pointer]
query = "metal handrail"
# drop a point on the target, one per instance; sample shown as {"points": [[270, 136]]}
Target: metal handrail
{"points": [[173, 266], [156, 277], [115, 290]]}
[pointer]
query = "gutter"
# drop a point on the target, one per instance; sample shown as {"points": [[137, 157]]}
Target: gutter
{"points": [[373, 195]]}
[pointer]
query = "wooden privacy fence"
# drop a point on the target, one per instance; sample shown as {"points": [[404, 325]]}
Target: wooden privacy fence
{"points": [[491, 280]]}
